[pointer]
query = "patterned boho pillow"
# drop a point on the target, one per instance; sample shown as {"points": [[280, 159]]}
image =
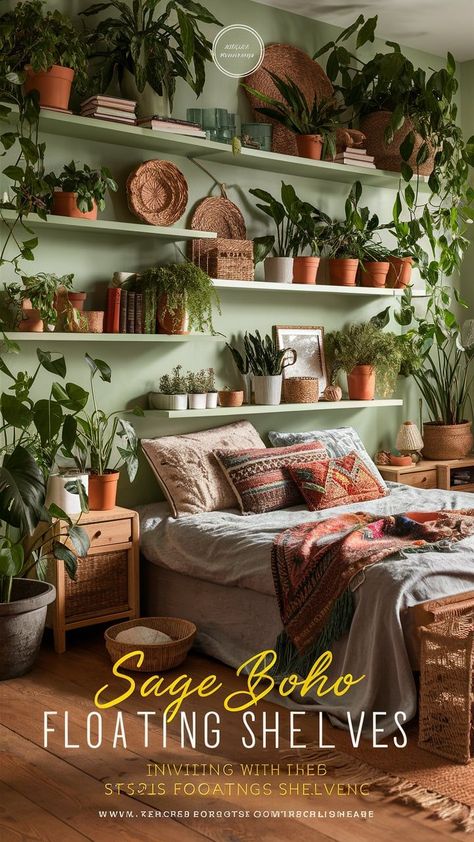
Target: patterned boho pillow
{"points": [[336, 482], [260, 477]]}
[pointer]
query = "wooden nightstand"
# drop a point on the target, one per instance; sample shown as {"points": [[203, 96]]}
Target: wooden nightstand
{"points": [[432, 474], [107, 579]]}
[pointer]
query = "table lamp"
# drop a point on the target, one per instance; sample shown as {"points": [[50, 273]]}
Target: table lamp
{"points": [[409, 441]]}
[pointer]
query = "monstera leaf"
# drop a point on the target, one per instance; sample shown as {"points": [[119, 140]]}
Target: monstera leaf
{"points": [[22, 490]]}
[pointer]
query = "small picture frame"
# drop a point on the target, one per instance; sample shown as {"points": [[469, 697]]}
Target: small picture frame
{"points": [[308, 342]]}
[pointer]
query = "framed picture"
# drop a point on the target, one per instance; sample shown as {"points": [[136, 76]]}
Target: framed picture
{"points": [[308, 343]]}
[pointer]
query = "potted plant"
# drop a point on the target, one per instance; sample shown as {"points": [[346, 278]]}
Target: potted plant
{"points": [[267, 362], [185, 297], [309, 236], [173, 392], [285, 215], [32, 532], [243, 367], [149, 48], [47, 51], [211, 391], [99, 434], [314, 124], [230, 397], [343, 241], [438, 354], [197, 385], [374, 264], [80, 193], [364, 352], [399, 269], [36, 298]]}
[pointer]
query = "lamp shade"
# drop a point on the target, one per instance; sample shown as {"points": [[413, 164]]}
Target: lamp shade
{"points": [[409, 437]]}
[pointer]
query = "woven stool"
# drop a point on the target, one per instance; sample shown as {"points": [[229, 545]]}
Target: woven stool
{"points": [[447, 690]]}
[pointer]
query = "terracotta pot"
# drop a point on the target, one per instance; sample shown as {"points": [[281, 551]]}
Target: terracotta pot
{"points": [[361, 383], [399, 272], [171, 323], [103, 491], [95, 321], [227, 398], [53, 85], [31, 321], [387, 157], [309, 146], [343, 271], [374, 273], [77, 299], [65, 204], [22, 624], [451, 441], [305, 270]]}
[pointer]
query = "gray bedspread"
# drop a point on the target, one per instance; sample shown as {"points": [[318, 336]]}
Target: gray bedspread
{"points": [[234, 551]]}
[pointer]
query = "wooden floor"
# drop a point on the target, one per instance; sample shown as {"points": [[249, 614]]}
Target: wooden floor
{"points": [[55, 795]]}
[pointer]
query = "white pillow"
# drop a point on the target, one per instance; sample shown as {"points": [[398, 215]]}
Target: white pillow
{"points": [[338, 442]]}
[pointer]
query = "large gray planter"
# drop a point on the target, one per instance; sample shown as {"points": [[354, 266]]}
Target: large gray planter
{"points": [[22, 624]]}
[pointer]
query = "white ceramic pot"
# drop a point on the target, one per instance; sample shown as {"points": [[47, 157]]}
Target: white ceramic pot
{"points": [[197, 401], [178, 401], [148, 101], [158, 400], [58, 494], [278, 270], [268, 389], [246, 385], [211, 400]]}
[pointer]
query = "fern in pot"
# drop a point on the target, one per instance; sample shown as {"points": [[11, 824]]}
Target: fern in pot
{"points": [[185, 297], [267, 363], [367, 355]]}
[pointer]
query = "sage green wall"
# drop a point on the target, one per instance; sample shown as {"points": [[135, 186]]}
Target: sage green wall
{"points": [[93, 258], [467, 117]]}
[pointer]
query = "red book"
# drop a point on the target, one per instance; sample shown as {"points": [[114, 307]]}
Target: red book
{"points": [[112, 320]]}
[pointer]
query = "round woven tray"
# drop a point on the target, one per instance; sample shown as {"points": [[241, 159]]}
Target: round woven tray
{"points": [[285, 60], [158, 656], [219, 214], [387, 156], [157, 192]]}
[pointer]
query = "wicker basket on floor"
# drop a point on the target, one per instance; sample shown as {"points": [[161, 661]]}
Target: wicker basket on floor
{"points": [[300, 390], [228, 260], [158, 657], [446, 691]]}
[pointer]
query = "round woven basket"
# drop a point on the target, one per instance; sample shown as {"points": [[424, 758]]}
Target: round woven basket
{"points": [[216, 213], [158, 656], [452, 441], [300, 389], [287, 61], [157, 192], [387, 156]]}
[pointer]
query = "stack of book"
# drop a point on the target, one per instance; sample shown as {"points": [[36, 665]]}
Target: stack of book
{"points": [[110, 108], [130, 311], [355, 157], [169, 124]]}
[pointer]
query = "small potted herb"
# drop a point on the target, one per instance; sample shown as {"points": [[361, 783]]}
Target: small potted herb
{"points": [[185, 297], [366, 353], [47, 52], [37, 299], [267, 362], [230, 397], [197, 386], [314, 124], [243, 367], [80, 193], [211, 396], [173, 392], [277, 251]]}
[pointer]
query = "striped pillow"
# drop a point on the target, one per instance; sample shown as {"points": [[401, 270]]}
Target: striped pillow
{"points": [[260, 477]]}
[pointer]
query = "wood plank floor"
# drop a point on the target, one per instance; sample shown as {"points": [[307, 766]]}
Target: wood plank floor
{"points": [[57, 794]]}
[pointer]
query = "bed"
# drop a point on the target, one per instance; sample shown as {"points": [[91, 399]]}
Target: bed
{"points": [[214, 569]]}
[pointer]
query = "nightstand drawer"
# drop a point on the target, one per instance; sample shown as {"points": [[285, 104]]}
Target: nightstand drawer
{"points": [[419, 479], [107, 533]]}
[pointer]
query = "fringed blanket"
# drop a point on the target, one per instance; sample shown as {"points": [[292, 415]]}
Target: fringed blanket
{"points": [[315, 566]]}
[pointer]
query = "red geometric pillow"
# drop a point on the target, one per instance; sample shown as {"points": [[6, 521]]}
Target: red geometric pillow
{"points": [[336, 482], [260, 477]]}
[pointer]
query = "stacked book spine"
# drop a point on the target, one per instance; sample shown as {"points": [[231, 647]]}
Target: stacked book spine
{"points": [[111, 109], [356, 158], [170, 125], [130, 311]]}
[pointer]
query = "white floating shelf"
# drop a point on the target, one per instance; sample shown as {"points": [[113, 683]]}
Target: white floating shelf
{"points": [[46, 337], [108, 226], [222, 412], [266, 286]]}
